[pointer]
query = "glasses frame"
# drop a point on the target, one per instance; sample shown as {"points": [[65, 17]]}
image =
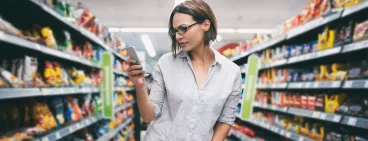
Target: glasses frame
{"points": [[174, 31]]}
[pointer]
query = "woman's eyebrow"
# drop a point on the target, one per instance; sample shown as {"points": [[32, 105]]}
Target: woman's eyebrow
{"points": [[180, 26]]}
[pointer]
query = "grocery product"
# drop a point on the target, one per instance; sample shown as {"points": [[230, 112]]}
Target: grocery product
{"points": [[48, 37], [361, 31], [57, 107], [49, 74]]}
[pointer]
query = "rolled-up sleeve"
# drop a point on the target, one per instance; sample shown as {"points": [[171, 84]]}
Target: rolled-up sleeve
{"points": [[158, 90], [228, 113]]}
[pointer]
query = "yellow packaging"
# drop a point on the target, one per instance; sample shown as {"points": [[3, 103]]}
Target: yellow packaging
{"points": [[326, 39], [48, 37], [332, 102]]}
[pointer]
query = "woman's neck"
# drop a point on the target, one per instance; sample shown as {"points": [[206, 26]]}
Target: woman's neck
{"points": [[203, 54]]}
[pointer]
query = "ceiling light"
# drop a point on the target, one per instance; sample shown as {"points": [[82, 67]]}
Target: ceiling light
{"points": [[114, 29], [148, 45], [254, 30], [146, 30], [226, 30]]}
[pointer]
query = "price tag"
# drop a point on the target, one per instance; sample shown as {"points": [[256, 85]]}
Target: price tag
{"points": [[336, 118], [71, 129], [273, 107], [301, 139], [79, 125], [323, 116], [315, 84], [352, 121], [366, 84], [288, 134], [336, 84], [57, 135], [307, 85], [282, 132], [45, 139], [316, 114], [284, 109], [348, 84]]}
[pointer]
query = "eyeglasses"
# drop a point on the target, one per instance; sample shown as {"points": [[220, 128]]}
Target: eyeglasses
{"points": [[181, 29]]}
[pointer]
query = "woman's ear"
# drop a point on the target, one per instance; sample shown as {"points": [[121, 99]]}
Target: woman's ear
{"points": [[206, 25]]}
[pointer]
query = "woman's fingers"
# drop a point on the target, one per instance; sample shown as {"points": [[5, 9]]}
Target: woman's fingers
{"points": [[135, 73], [134, 67], [131, 61]]}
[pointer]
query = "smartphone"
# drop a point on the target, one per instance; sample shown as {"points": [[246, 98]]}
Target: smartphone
{"points": [[132, 53]]}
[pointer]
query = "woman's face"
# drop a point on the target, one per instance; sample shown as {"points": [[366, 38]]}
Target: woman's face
{"points": [[194, 35]]}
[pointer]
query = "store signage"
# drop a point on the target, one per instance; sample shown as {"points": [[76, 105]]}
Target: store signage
{"points": [[107, 85], [250, 87]]}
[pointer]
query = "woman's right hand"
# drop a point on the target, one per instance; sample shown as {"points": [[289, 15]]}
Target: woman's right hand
{"points": [[136, 73]]}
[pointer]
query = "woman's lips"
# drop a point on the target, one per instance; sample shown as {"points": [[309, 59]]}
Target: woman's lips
{"points": [[183, 44]]}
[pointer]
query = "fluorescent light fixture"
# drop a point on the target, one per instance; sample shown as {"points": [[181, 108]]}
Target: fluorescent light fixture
{"points": [[114, 29], [148, 45], [177, 2], [254, 30], [226, 30], [146, 30], [165, 30]]}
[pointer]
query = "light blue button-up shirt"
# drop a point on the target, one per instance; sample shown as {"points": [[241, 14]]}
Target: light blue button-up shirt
{"points": [[185, 112]]}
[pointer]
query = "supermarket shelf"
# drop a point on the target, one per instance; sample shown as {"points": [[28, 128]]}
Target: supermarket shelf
{"points": [[112, 133], [43, 49], [278, 130], [354, 9], [313, 24], [275, 64], [120, 73], [314, 55], [77, 28], [259, 47], [355, 121], [242, 55], [315, 85], [63, 132], [124, 88], [355, 46], [272, 86], [302, 112], [9, 93], [123, 107], [271, 107], [240, 135], [315, 114], [355, 84]]}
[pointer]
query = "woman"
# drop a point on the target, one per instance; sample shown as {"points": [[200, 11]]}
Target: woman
{"points": [[195, 90]]}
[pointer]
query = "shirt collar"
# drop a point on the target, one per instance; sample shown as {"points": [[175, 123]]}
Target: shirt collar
{"points": [[218, 58]]}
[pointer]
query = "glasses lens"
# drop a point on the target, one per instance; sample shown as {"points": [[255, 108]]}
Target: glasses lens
{"points": [[182, 30]]}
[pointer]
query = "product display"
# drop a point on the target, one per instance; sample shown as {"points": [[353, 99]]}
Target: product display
{"points": [[313, 75], [51, 76]]}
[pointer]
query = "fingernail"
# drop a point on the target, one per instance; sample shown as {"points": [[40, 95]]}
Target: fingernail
{"points": [[134, 61], [140, 67], [143, 71]]}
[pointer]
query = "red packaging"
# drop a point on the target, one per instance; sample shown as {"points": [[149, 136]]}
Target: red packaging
{"points": [[304, 101], [312, 102]]}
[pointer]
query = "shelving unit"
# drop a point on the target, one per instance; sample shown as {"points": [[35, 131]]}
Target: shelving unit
{"points": [[303, 29], [112, 133], [326, 56], [63, 132], [240, 135], [277, 130], [34, 48], [77, 28]]}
